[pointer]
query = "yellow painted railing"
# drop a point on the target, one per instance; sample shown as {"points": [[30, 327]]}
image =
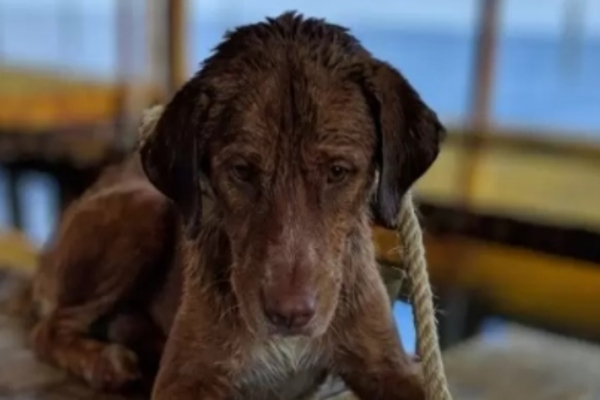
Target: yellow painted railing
{"points": [[559, 185]]}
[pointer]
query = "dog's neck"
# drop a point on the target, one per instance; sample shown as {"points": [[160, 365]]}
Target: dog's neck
{"points": [[207, 258], [361, 271]]}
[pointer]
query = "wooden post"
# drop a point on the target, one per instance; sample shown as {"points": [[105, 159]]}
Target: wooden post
{"points": [[478, 126], [156, 30], [479, 119], [167, 45], [485, 60], [128, 78], [177, 71]]}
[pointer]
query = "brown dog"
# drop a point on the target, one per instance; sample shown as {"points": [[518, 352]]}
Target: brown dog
{"points": [[302, 140]]}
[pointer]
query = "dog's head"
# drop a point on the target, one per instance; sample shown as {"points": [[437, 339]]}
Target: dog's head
{"points": [[303, 136]]}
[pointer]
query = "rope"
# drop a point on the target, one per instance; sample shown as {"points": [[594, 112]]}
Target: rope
{"points": [[413, 254], [150, 117]]}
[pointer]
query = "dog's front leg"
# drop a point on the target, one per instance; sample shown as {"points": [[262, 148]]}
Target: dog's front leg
{"points": [[184, 376], [199, 359], [370, 357], [190, 388], [193, 367]]}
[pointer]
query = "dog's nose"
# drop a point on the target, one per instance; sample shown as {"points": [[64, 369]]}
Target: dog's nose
{"points": [[290, 312]]}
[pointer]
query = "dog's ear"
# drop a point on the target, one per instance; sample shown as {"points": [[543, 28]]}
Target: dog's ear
{"points": [[409, 137], [172, 154]]}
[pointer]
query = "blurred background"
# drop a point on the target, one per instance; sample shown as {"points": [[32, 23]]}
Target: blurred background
{"points": [[511, 209]]}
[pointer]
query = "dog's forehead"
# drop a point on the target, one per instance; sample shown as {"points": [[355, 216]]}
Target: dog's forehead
{"points": [[290, 84], [302, 101]]}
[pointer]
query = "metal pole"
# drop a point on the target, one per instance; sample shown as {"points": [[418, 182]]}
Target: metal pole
{"points": [[156, 37], [176, 44], [125, 74], [485, 60], [167, 45], [477, 129], [479, 120]]}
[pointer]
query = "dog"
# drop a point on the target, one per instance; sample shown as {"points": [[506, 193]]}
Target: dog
{"points": [[231, 253]]}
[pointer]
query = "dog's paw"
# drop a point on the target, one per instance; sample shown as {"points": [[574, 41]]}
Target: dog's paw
{"points": [[115, 368]]}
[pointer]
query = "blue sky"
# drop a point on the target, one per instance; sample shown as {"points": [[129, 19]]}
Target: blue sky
{"points": [[537, 16]]}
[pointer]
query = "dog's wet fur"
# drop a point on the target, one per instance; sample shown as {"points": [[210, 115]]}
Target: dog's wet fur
{"points": [[301, 140]]}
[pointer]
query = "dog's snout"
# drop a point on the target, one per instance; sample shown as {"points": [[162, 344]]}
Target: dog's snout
{"points": [[289, 312]]}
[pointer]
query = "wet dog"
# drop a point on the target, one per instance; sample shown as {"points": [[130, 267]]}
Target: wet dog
{"points": [[300, 140]]}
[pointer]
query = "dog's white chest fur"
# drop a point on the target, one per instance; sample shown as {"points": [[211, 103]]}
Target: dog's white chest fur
{"points": [[282, 369]]}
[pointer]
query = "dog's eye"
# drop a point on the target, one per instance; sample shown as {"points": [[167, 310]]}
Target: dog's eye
{"points": [[241, 172], [337, 173]]}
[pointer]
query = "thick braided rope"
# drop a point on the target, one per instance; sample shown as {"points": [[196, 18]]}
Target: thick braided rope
{"points": [[422, 300]]}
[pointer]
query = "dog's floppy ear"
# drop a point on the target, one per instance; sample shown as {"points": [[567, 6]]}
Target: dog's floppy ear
{"points": [[171, 154], [409, 137]]}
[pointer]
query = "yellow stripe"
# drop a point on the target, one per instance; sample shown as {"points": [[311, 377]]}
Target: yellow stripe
{"points": [[17, 252], [32, 101], [518, 282]]}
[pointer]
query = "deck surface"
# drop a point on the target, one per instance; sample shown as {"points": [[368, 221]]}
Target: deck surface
{"points": [[524, 364], [22, 377]]}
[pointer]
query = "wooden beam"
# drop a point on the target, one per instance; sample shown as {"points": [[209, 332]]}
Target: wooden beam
{"points": [[177, 68]]}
